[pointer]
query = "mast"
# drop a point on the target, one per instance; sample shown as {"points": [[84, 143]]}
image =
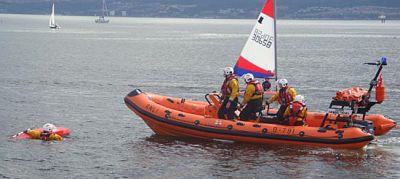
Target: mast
{"points": [[50, 16], [276, 54], [104, 8]]}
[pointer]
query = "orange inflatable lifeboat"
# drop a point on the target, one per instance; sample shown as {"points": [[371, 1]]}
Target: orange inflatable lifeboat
{"points": [[184, 118]]}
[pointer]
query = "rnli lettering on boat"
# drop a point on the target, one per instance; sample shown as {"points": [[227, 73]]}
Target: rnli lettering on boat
{"points": [[151, 108]]}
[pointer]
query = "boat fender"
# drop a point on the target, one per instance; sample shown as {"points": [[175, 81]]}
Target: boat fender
{"points": [[167, 114], [256, 125], [240, 124], [264, 131], [230, 127], [170, 100], [301, 133], [196, 122]]}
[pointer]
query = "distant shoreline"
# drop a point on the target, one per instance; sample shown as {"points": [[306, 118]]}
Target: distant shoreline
{"points": [[178, 17], [213, 9]]}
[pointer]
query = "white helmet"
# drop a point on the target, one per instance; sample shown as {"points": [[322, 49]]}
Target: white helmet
{"points": [[299, 98], [248, 77], [282, 83], [228, 71], [48, 127]]}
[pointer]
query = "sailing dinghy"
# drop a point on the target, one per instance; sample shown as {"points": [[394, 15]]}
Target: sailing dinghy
{"points": [[101, 18], [52, 23], [343, 128], [259, 53]]}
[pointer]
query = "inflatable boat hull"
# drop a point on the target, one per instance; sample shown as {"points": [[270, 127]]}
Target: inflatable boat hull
{"points": [[181, 118]]}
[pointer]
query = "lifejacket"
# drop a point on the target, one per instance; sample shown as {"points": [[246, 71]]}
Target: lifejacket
{"points": [[259, 90], [284, 97], [225, 90], [45, 135], [295, 109]]}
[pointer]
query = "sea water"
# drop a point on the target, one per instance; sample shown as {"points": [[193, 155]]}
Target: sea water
{"points": [[77, 77]]}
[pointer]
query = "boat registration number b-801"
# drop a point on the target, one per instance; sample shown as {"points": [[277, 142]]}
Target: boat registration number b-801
{"points": [[283, 130]]}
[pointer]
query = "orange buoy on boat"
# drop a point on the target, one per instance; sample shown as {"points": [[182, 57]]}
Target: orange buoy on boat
{"points": [[380, 90]]}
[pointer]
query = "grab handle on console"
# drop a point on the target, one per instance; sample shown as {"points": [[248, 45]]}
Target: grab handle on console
{"points": [[215, 99]]}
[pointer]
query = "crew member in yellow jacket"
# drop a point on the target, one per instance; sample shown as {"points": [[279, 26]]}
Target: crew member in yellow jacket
{"points": [[252, 99], [284, 96], [230, 93], [296, 113], [46, 134]]}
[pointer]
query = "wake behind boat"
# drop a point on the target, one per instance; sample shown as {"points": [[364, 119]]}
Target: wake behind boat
{"points": [[346, 124]]}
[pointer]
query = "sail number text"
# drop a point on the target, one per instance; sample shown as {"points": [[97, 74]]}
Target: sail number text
{"points": [[263, 39]]}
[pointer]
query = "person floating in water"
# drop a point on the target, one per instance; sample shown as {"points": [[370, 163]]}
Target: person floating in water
{"points": [[47, 134]]}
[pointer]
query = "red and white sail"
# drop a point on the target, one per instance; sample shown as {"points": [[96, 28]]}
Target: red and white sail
{"points": [[259, 53]]}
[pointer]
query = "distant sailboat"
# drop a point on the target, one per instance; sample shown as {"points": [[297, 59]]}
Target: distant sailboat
{"points": [[103, 14], [382, 18], [52, 23]]}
